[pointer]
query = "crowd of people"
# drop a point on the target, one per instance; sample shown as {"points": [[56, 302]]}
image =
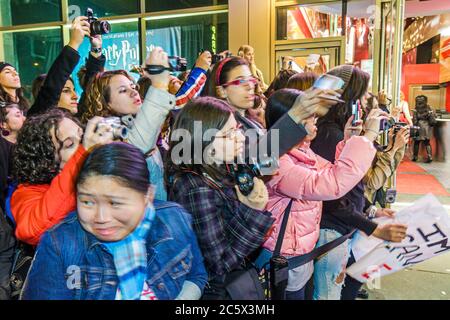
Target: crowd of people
{"points": [[135, 217]]}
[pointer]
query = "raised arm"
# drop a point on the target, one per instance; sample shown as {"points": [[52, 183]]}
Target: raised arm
{"points": [[61, 69], [157, 104]]}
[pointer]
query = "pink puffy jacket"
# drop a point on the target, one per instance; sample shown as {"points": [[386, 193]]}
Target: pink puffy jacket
{"points": [[310, 179]]}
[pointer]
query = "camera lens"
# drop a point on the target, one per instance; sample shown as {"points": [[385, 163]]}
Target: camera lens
{"points": [[120, 133], [100, 27]]}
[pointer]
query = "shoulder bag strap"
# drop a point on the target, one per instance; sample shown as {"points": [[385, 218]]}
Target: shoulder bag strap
{"points": [[287, 211]]}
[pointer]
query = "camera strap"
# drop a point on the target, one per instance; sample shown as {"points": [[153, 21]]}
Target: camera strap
{"points": [[317, 252], [154, 69]]}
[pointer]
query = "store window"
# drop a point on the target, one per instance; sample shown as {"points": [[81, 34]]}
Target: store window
{"points": [[309, 21], [162, 5], [315, 21], [18, 12], [31, 52], [187, 36], [103, 8], [120, 46]]}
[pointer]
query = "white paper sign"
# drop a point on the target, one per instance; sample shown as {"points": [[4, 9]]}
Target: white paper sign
{"points": [[427, 236]]}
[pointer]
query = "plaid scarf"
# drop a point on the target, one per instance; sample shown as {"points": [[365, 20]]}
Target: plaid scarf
{"points": [[130, 258]]}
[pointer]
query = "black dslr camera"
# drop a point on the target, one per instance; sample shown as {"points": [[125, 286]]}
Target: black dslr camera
{"points": [[97, 27], [176, 64], [413, 130], [244, 173], [386, 125], [217, 57]]}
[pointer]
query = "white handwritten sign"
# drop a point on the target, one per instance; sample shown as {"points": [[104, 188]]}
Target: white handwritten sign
{"points": [[427, 236]]}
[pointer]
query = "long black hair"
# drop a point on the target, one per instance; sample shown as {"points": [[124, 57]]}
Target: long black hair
{"points": [[120, 161], [22, 101], [280, 81], [212, 113], [356, 88], [280, 102]]}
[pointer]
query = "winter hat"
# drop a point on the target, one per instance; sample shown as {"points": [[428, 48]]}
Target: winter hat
{"points": [[3, 65], [344, 72]]}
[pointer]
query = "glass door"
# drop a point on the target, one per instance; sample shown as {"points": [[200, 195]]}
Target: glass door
{"points": [[316, 56]]}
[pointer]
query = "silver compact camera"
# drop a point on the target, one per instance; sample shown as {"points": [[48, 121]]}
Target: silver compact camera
{"points": [[119, 130], [391, 195]]}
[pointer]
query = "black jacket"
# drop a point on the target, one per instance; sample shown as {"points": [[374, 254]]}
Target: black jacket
{"points": [[7, 246], [285, 130], [58, 75], [6, 149], [346, 213]]}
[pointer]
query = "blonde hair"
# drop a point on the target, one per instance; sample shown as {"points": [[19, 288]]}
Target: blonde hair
{"points": [[98, 94], [244, 49]]}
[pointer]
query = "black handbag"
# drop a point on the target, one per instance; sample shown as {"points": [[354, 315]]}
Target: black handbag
{"points": [[23, 257], [244, 284], [7, 247]]}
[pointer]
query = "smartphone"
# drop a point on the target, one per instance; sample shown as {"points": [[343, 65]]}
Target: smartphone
{"points": [[356, 112], [328, 81]]}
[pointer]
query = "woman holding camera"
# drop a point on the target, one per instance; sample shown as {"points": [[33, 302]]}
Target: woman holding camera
{"points": [[56, 89], [125, 246], [114, 94], [340, 217], [308, 179], [49, 153], [232, 81], [229, 225], [386, 161]]}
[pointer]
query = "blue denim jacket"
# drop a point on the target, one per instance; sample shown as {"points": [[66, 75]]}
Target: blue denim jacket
{"points": [[155, 167], [71, 264]]}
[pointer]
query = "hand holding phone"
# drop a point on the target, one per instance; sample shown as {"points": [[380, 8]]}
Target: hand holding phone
{"points": [[329, 82], [356, 112]]}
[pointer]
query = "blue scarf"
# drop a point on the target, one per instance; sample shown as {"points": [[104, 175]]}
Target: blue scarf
{"points": [[130, 258]]}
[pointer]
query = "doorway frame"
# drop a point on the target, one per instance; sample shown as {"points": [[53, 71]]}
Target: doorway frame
{"points": [[275, 44], [317, 43]]}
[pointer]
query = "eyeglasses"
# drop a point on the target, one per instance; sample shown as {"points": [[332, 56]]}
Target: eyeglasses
{"points": [[239, 82]]}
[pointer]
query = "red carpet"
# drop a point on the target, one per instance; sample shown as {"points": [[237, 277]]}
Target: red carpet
{"points": [[419, 184], [409, 166], [413, 179]]}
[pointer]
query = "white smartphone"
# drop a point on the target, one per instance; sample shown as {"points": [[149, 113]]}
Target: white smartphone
{"points": [[328, 81]]}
